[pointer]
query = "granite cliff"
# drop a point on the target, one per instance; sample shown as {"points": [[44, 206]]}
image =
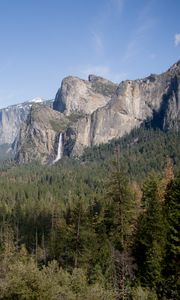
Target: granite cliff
{"points": [[83, 96], [155, 99], [95, 111], [12, 117], [38, 136]]}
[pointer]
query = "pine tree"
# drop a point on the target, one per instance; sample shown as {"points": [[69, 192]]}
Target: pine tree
{"points": [[119, 219], [172, 258], [151, 242]]}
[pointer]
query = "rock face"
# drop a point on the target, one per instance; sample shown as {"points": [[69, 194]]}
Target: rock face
{"points": [[12, 117], [155, 99], [38, 137], [96, 111], [82, 96]]}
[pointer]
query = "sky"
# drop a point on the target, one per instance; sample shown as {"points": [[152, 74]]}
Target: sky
{"points": [[42, 41]]}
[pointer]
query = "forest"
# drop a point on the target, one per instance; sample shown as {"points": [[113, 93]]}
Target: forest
{"points": [[104, 226]]}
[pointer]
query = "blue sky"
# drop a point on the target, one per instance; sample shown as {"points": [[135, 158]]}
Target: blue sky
{"points": [[42, 41]]}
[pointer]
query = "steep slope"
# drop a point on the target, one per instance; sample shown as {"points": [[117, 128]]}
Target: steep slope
{"points": [[155, 99], [97, 111], [11, 119], [13, 116], [82, 96], [38, 137]]}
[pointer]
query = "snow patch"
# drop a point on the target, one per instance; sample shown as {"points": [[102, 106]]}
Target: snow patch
{"points": [[37, 100]]}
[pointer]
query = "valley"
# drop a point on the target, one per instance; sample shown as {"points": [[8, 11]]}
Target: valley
{"points": [[89, 189]]}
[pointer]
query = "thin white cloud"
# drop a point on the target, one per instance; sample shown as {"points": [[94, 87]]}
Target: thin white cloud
{"points": [[105, 15], [177, 39], [135, 44], [131, 50], [146, 26], [146, 23], [97, 42]]}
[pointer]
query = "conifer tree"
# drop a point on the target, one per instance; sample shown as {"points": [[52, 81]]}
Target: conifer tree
{"points": [[120, 223], [172, 258], [150, 249]]}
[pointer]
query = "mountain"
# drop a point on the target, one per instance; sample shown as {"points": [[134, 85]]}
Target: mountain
{"points": [[38, 136], [74, 101], [96, 111], [10, 120], [12, 117], [83, 96], [155, 99]]}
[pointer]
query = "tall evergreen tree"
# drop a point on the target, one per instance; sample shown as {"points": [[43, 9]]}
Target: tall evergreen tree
{"points": [[172, 258], [119, 219], [151, 243]]}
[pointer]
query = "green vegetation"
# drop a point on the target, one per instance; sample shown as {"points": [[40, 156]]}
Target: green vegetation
{"points": [[141, 152], [59, 125], [94, 228], [107, 89], [62, 124], [75, 116]]}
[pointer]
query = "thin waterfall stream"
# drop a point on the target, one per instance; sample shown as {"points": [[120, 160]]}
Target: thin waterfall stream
{"points": [[59, 151]]}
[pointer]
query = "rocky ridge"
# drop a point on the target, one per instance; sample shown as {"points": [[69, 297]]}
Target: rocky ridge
{"points": [[12, 117], [38, 137], [96, 111], [155, 99], [83, 96]]}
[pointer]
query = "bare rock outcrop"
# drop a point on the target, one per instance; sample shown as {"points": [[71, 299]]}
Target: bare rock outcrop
{"points": [[155, 99], [12, 117], [95, 111], [82, 96], [38, 137]]}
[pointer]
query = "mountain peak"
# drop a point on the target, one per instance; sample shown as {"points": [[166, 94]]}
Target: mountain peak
{"points": [[81, 96], [94, 111], [93, 78], [37, 100], [175, 66]]}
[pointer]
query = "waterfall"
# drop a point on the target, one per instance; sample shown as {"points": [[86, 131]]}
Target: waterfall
{"points": [[59, 152]]}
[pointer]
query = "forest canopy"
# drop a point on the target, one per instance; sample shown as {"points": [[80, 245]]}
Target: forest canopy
{"points": [[105, 226]]}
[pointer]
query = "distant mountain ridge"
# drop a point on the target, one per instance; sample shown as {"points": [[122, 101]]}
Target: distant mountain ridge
{"points": [[95, 111], [12, 117]]}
